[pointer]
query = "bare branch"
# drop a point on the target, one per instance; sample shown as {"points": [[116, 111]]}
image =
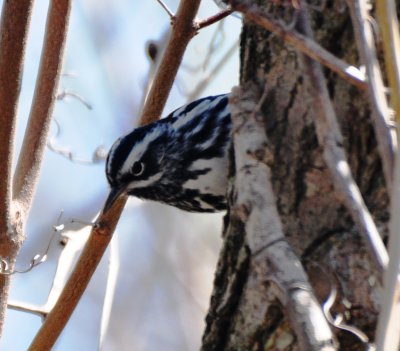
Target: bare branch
{"points": [[257, 208], [29, 162], [14, 24], [15, 19], [167, 9], [28, 308], [77, 283], [331, 139], [337, 321], [183, 31], [386, 135], [64, 94], [300, 42], [213, 19]]}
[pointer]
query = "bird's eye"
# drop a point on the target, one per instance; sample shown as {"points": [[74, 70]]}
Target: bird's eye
{"points": [[138, 168]]}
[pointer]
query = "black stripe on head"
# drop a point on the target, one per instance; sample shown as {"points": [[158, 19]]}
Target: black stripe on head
{"points": [[118, 154]]}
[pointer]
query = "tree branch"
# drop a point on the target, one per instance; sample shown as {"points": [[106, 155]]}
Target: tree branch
{"points": [[30, 158], [166, 9], [14, 25], [385, 134], [15, 19], [331, 139], [183, 31], [213, 19], [300, 42], [271, 255]]}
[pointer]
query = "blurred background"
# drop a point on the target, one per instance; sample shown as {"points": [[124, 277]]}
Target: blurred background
{"points": [[160, 270]]}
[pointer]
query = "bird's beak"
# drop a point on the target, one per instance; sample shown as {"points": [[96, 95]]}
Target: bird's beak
{"points": [[113, 196]]}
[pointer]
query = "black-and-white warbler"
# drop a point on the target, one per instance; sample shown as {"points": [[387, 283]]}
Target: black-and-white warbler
{"points": [[180, 160]]}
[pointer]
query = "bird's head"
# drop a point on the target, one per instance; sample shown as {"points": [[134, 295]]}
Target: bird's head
{"points": [[134, 161]]}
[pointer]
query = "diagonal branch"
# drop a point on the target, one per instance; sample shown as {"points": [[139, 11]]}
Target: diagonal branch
{"points": [[14, 23], [30, 158], [271, 254], [183, 31], [213, 19], [330, 138], [300, 42], [385, 134]]}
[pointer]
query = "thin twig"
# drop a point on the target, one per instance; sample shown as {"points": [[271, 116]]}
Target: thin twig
{"points": [[256, 206], [28, 308], [213, 73], [30, 158], [337, 321], [64, 93], [388, 332], [101, 234], [331, 139], [167, 9], [385, 134], [200, 24], [301, 42]]}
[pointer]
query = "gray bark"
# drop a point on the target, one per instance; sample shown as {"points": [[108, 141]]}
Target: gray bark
{"points": [[314, 220]]}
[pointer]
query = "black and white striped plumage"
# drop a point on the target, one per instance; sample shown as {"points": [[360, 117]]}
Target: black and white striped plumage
{"points": [[180, 160]]}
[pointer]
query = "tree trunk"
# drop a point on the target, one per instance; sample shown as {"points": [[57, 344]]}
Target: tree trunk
{"points": [[245, 315]]}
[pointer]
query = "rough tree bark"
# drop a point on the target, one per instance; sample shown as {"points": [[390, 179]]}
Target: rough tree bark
{"points": [[315, 222]]}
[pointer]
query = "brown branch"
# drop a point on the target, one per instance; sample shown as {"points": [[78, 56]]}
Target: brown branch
{"points": [[331, 139], [385, 134], [182, 31], [15, 19], [300, 42], [30, 158], [271, 255], [80, 277], [101, 234], [213, 19]]}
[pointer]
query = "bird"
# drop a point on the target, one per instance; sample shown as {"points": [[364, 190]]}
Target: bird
{"points": [[180, 160]]}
